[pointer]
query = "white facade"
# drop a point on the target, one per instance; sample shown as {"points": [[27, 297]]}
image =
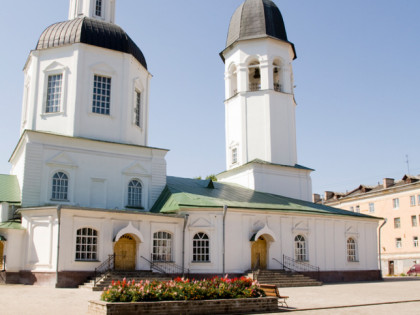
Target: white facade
{"points": [[98, 172], [98, 9], [77, 65]]}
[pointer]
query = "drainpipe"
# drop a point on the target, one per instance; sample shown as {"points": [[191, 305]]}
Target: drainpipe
{"points": [[183, 243], [380, 260], [224, 237], [58, 244]]}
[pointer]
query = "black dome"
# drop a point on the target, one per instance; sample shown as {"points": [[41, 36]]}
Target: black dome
{"points": [[92, 32], [257, 19]]}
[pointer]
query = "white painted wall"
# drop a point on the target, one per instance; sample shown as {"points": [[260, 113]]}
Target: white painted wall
{"points": [[260, 123], [88, 164], [79, 63]]}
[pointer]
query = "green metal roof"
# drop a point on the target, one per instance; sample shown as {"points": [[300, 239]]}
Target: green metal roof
{"points": [[184, 193], [12, 225], [9, 189]]}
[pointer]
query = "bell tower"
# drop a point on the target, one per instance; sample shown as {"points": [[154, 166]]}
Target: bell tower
{"points": [[103, 10], [260, 104]]}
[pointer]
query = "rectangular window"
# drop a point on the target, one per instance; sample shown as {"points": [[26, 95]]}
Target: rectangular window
{"points": [[54, 93], [352, 209], [414, 220], [101, 95], [398, 243], [418, 200], [234, 155], [412, 201], [416, 241], [397, 223], [137, 109], [357, 209], [371, 207], [396, 203], [98, 8]]}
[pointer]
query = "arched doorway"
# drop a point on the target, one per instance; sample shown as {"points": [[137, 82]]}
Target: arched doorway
{"points": [[125, 253], [259, 254]]}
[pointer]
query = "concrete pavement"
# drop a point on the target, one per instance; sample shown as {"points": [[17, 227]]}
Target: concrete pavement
{"points": [[404, 294]]}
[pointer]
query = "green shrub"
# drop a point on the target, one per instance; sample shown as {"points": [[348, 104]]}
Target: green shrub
{"points": [[182, 289]]}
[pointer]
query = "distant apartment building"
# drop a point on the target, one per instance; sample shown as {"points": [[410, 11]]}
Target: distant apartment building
{"points": [[399, 203]]}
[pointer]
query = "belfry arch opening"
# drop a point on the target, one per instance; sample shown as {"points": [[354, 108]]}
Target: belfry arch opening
{"points": [[254, 76], [233, 81], [277, 76]]}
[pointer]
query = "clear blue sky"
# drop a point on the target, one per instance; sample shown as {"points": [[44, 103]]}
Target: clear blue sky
{"points": [[357, 77]]}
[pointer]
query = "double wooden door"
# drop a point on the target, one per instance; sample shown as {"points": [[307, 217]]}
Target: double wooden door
{"points": [[125, 253], [259, 254]]}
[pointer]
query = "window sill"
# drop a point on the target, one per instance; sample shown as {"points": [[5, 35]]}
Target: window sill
{"points": [[51, 114], [60, 200], [201, 262], [89, 261], [132, 207]]}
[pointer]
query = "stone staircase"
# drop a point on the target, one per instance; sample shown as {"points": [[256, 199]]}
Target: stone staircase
{"points": [[283, 279], [120, 275]]}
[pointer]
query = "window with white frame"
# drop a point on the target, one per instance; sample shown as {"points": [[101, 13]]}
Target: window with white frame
{"points": [[398, 243], [162, 246], [418, 200], [234, 155], [351, 249], [412, 201], [134, 194], [415, 241], [277, 76], [54, 91], [101, 95], [60, 187], [397, 223], [371, 207], [98, 8], [201, 248], [413, 220], [358, 209], [137, 110], [396, 203], [86, 244], [300, 248], [352, 209]]}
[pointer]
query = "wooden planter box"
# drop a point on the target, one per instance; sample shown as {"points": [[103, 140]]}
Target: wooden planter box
{"points": [[238, 306]]}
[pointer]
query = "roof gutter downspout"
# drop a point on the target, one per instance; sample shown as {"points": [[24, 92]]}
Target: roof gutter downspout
{"points": [[224, 237], [380, 259], [58, 244], [183, 243]]}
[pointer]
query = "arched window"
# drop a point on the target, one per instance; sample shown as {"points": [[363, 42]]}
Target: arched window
{"points": [[300, 248], [134, 194], [86, 244], [277, 83], [201, 248], [351, 249], [233, 81], [60, 187], [162, 246], [254, 76]]}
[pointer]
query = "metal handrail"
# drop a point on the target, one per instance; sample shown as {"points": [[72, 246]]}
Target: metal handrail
{"points": [[166, 267], [299, 266], [283, 266], [102, 270]]}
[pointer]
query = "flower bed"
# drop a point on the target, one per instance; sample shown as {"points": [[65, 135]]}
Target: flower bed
{"points": [[182, 290]]}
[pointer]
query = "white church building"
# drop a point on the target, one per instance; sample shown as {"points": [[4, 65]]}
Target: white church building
{"points": [[85, 187]]}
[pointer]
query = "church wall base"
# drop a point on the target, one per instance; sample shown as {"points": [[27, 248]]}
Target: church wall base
{"points": [[345, 276], [66, 279]]}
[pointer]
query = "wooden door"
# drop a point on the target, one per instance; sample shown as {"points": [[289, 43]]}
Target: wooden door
{"points": [[1, 256], [391, 268], [125, 253], [259, 254]]}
